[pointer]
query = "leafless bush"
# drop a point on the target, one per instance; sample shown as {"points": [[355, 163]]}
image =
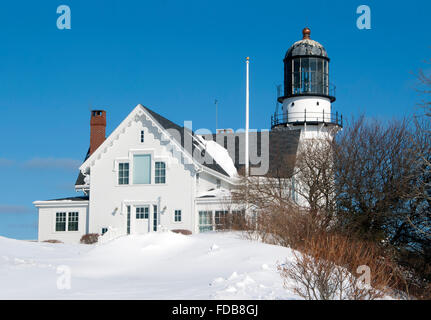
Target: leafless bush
{"points": [[89, 238], [53, 241], [182, 231], [327, 269]]}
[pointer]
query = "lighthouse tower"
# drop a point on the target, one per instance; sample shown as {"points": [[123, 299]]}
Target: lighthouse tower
{"points": [[308, 94]]}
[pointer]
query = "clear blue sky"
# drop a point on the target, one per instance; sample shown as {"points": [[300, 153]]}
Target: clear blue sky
{"points": [[176, 57]]}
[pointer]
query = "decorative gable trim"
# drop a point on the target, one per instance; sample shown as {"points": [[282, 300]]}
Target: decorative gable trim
{"points": [[137, 113]]}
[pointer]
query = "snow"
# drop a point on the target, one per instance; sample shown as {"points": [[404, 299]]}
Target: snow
{"points": [[216, 193], [164, 265], [220, 155]]}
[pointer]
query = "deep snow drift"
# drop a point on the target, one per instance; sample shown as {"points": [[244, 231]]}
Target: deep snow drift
{"points": [[215, 265]]}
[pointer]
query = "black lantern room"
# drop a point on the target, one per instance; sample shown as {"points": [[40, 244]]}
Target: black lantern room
{"points": [[306, 70]]}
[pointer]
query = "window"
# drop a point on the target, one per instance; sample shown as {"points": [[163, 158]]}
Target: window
{"points": [[72, 224], [293, 194], [142, 136], [220, 218], [128, 219], [160, 175], [197, 178], [205, 221], [141, 169], [123, 173], [177, 216], [104, 230], [60, 221], [218, 183], [155, 222], [142, 212]]}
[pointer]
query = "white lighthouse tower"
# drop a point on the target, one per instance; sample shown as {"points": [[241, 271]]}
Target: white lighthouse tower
{"points": [[308, 94]]}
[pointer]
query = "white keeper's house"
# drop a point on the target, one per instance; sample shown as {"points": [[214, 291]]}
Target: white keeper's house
{"points": [[151, 174]]}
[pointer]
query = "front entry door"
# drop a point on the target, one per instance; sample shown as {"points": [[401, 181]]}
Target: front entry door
{"points": [[142, 224]]}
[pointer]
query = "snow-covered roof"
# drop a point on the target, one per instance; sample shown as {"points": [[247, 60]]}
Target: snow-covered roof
{"points": [[215, 193], [220, 155]]}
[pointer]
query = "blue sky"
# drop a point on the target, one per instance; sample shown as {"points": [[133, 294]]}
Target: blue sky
{"points": [[176, 57]]}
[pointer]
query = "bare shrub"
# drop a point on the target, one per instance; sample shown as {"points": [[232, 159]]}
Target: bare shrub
{"points": [[89, 238], [53, 241], [182, 231], [327, 269], [234, 221]]}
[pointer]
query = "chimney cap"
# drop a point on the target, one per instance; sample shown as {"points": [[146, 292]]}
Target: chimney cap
{"points": [[97, 112]]}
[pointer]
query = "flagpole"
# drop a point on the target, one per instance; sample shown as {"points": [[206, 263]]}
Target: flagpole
{"points": [[247, 119]]}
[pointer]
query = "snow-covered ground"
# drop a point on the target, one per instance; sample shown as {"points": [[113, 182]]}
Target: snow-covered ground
{"points": [[215, 265]]}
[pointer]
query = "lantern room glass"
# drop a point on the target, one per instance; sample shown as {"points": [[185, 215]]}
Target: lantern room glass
{"points": [[307, 75]]}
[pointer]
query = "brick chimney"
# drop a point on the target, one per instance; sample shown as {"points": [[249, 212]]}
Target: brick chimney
{"points": [[97, 129]]}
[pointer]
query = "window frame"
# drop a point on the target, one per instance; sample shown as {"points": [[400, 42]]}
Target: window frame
{"points": [[159, 178], [65, 220], [178, 216], [208, 225], [151, 160], [142, 215], [218, 216], [73, 220], [62, 220], [122, 170]]}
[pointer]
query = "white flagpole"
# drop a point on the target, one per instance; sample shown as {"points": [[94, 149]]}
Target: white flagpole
{"points": [[247, 119]]}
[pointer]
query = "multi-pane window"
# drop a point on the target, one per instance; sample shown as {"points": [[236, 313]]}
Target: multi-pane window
{"points": [[205, 221], [293, 194], [142, 136], [72, 224], [72, 221], [177, 216], [128, 219], [155, 214], [123, 173], [309, 75], [142, 212], [220, 218], [160, 174], [60, 221]]}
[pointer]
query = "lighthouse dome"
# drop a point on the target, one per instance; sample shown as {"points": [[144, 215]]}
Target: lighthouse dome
{"points": [[306, 47]]}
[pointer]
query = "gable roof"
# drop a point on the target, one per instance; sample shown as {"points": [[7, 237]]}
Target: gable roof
{"points": [[283, 146], [168, 124], [80, 180]]}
